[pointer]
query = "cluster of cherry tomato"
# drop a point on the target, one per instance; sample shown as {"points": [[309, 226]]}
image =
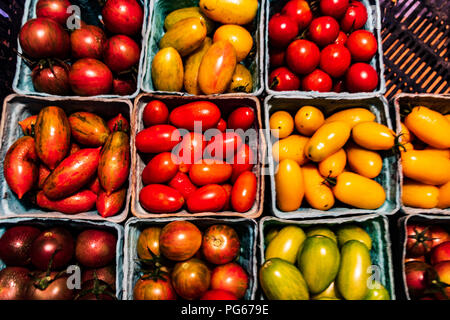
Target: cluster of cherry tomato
{"points": [[324, 52], [179, 260]]}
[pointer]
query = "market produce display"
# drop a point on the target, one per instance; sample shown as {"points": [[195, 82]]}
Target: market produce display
{"points": [[321, 47], [325, 160], [207, 49], [37, 261], [179, 261], [83, 60], [70, 163], [319, 263], [186, 170]]}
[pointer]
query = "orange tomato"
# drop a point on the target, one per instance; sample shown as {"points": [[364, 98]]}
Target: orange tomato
{"points": [[244, 190], [205, 172]]}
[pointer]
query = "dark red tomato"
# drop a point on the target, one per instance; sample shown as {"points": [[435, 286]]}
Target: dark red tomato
{"points": [[53, 9], [106, 274], [159, 198], [223, 145], [209, 171], [244, 160], [120, 53], [149, 289], [361, 77], [95, 248], [88, 42], [180, 240], [339, 86], [333, 8], [52, 80], [52, 287], [44, 38], [323, 30], [355, 17], [227, 188], [90, 77], [221, 125], [124, 87], [14, 283], [220, 244], [244, 190], [241, 118], [362, 45], [118, 123], [15, 245], [419, 240], [419, 276], [218, 295], [276, 57], [283, 79], [299, 11], [123, 16], [302, 56], [155, 112], [157, 138], [317, 81], [440, 253], [341, 39], [191, 278], [230, 277], [438, 235], [335, 60], [183, 184], [190, 149], [443, 271], [95, 289], [209, 198], [56, 243], [282, 30], [160, 169]]}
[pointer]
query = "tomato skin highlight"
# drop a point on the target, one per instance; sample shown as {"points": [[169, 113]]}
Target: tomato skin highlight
{"points": [[160, 169], [364, 162], [244, 191], [182, 183], [241, 118], [318, 195], [149, 289], [230, 277], [186, 115], [180, 240], [333, 165], [283, 79]]}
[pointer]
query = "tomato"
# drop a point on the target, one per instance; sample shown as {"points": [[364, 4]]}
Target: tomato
{"points": [[292, 147], [14, 283], [221, 125], [302, 56], [52, 80], [317, 81], [148, 241], [209, 198], [49, 287], [443, 271], [373, 136], [230, 277], [244, 191], [308, 119], [53, 9], [299, 11], [155, 112], [426, 168], [90, 77], [318, 194], [282, 30], [361, 77], [220, 244], [283, 79], [355, 17], [205, 172], [88, 42], [183, 184], [364, 162], [418, 276], [286, 244], [150, 289], [333, 8], [276, 57], [444, 196], [124, 86], [244, 160], [289, 185], [79, 202], [15, 245], [110, 205], [281, 124], [335, 60], [419, 195], [321, 231], [218, 295], [323, 30], [440, 253], [95, 248], [160, 198], [341, 39], [191, 279], [223, 145], [205, 113], [180, 240], [349, 232], [238, 36], [439, 235], [120, 53], [88, 129], [227, 188], [123, 16], [362, 45], [352, 116], [160, 169], [419, 240], [191, 147], [240, 12], [405, 135], [241, 118], [334, 164], [157, 138], [438, 152]]}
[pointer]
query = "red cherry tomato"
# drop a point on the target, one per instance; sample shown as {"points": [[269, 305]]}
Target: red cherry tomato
{"points": [[277, 57], [191, 147], [206, 172], [283, 79], [227, 188], [160, 169], [209, 198], [244, 160], [333, 8], [324, 30], [317, 81], [182, 183], [335, 60], [302, 56], [155, 112], [222, 125], [341, 39], [355, 17], [223, 145], [362, 45], [282, 30], [218, 295], [361, 77], [243, 194], [241, 118], [299, 11], [159, 198]]}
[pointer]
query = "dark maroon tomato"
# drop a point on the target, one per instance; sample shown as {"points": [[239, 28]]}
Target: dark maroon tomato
{"points": [[220, 244], [95, 289], [88, 42], [52, 80], [324, 30], [180, 240], [159, 198], [209, 198], [14, 283], [355, 17], [317, 81], [341, 39], [52, 287], [339, 86], [15, 245], [333, 8], [419, 276], [335, 60], [123, 16], [218, 295], [230, 277], [302, 56], [44, 38], [53, 9], [282, 30], [155, 112], [149, 289], [283, 79], [361, 77], [191, 278], [106, 274], [121, 53], [124, 87], [90, 77], [241, 118], [362, 45], [419, 240], [277, 57], [95, 248], [299, 11], [56, 243]]}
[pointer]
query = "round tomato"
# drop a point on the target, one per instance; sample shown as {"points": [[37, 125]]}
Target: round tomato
{"points": [[222, 125], [324, 30], [180, 240], [299, 11], [238, 36], [440, 253], [218, 295], [361, 77], [335, 60], [230, 277], [150, 289], [362, 45], [191, 279], [355, 17], [282, 30], [308, 119], [155, 112], [209, 198], [333, 8], [120, 53], [206, 172], [220, 244], [244, 190], [89, 77], [148, 241], [283, 79], [302, 56], [241, 118], [419, 240], [160, 169], [317, 81]]}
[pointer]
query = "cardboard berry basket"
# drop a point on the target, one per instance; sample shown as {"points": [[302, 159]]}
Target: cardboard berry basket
{"points": [[246, 229], [226, 105], [373, 25], [377, 226], [388, 178], [90, 12], [75, 226], [440, 103], [17, 108], [161, 8]]}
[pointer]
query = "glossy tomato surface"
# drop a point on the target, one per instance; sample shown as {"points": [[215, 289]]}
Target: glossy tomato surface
{"points": [[180, 240], [220, 244], [282, 30], [230, 277], [361, 77], [89, 77], [209, 198], [302, 56], [317, 81], [283, 79], [324, 30], [155, 112], [299, 11], [362, 45], [335, 60], [120, 53]]}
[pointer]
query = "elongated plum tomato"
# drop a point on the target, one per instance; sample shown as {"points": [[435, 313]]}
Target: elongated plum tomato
{"points": [[425, 167], [335, 60], [204, 113], [79, 202], [54, 80], [206, 172], [333, 165], [120, 53], [190, 149], [150, 289], [361, 77], [110, 205], [123, 16], [302, 56], [317, 81], [244, 191], [218, 295], [244, 160], [160, 169], [95, 248], [323, 30], [157, 138], [15, 245], [88, 42], [159, 198], [90, 77], [289, 185], [230, 277], [362, 45], [373, 136], [180, 240], [148, 241], [220, 244], [227, 187], [419, 195], [223, 145], [283, 79], [318, 194], [299, 11], [54, 9], [209, 198], [183, 184], [355, 17], [241, 118], [365, 162], [155, 112], [282, 30], [352, 116]]}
